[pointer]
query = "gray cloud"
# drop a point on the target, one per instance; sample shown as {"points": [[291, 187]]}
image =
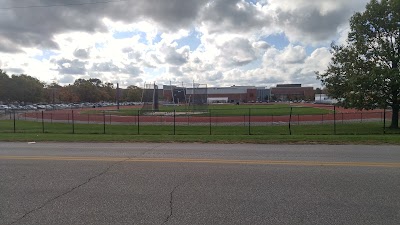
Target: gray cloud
{"points": [[105, 67], [67, 66], [227, 16], [314, 22], [216, 76], [66, 79], [110, 67], [261, 45], [173, 57], [132, 70], [36, 27], [132, 54], [175, 71], [15, 71], [82, 53], [237, 52]]}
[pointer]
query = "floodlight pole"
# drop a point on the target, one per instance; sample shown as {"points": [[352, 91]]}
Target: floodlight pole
{"points": [[206, 95], [193, 93], [172, 92], [117, 95]]}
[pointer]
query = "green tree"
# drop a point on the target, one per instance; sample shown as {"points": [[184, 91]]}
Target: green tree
{"points": [[109, 92], [132, 94], [86, 90], [69, 94], [364, 73], [4, 86], [52, 92], [25, 88]]}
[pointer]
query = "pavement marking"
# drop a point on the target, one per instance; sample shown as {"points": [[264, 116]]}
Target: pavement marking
{"points": [[213, 161]]}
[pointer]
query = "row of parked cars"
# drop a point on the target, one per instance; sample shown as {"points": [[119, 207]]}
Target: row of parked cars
{"points": [[63, 106]]}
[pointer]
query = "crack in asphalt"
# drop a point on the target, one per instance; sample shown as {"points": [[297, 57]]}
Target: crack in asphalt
{"points": [[67, 192], [86, 182], [151, 149], [171, 201]]}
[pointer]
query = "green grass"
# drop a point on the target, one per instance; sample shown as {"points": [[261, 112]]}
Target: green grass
{"points": [[256, 139], [230, 110], [355, 133]]}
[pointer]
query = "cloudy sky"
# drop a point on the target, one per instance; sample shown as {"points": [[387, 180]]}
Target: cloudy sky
{"points": [[213, 42]]}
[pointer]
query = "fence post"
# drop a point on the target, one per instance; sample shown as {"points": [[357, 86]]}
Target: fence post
{"points": [[384, 121], [42, 122], [342, 119], [174, 122], [138, 122], [14, 123], [73, 122], [361, 117], [88, 119], [135, 119], [104, 122], [290, 120], [51, 117], [249, 121], [334, 119], [209, 116]]}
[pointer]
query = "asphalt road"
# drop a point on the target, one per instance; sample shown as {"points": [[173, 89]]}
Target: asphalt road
{"points": [[64, 183]]}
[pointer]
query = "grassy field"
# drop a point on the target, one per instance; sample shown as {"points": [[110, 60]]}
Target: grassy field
{"points": [[230, 110], [357, 133]]}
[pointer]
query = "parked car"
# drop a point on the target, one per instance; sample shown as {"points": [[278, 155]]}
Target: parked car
{"points": [[4, 107]]}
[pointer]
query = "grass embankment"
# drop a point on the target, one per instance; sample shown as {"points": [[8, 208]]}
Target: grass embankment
{"points": [[256, 139]]}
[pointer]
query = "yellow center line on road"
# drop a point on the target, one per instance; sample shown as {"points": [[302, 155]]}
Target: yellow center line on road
{"points": [[213, 161]]}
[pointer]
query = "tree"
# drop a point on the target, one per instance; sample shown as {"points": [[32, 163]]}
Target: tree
{"points": [[4, 86], [133, 93], [69, 94], [52, 92], [25, 88], [88, 90], [364, 72], [109, 92]]}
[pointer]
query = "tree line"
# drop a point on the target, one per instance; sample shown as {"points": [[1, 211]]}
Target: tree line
{"points": [[24, 89]]}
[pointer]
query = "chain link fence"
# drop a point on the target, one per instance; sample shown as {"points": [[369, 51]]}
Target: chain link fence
{"points": [[243, 121]]}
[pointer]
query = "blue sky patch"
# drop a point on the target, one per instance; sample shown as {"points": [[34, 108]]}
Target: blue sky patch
{"points": [[280, 41], [193, 40], [154, 72], [46, 54], [157, 38], [130, 34], [99, 45], [252, 1], [311, 49]]}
